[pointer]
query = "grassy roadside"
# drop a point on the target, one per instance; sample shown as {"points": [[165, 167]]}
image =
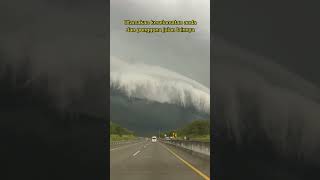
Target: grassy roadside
{"points": [[204, 138], [116, 137]]}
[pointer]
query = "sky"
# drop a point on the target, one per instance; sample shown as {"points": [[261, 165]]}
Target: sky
{"points": [[184, 53]]}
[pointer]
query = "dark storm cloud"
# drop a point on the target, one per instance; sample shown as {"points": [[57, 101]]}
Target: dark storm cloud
{"points": [[53, 58], [146, 118], [158, 84], [64, 40], [259, 99]]}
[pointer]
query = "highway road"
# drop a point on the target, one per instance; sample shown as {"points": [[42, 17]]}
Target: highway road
{"points": [[146, 160]]}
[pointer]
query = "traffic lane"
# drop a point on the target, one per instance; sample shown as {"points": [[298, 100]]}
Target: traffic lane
{"points": [[202, 164], [114, 146], [153, 162], [120, 155]]}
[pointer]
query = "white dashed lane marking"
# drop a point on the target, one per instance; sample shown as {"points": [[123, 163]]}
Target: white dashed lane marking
{"points": [[136, 153]]}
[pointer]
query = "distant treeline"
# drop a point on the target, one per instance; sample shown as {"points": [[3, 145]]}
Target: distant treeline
{"points": [[118, 130], [195, 128], [198, 129]]}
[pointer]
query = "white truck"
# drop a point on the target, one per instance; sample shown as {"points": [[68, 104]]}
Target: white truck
{"points": [[154, 139]]}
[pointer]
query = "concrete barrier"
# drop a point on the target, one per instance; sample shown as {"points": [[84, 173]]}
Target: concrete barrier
{"points": [[195, 147]]}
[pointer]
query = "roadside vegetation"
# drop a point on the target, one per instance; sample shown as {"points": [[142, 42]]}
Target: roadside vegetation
{"points": [[198, 130], [118, 133]]}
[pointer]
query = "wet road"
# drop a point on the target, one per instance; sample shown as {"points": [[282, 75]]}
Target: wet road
{"points": [[146, 160]]}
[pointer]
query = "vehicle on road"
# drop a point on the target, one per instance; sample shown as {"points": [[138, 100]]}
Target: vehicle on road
{"points": [[154, 139], [167, 138]]}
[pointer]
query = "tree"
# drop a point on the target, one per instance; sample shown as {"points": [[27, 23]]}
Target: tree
{"points": [[195, 128]]}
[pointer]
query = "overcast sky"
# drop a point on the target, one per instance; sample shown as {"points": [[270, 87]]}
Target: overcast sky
{"points": [[184, 53]]}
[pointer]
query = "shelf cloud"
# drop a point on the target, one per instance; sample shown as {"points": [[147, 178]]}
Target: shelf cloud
{"points": [[158, 84]]}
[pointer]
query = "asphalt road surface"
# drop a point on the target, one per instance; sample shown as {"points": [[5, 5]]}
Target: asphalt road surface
{"points": [[146, 160]]}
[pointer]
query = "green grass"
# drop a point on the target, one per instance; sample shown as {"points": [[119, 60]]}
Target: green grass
{"points": [[202, 138], [205, 138], [115, 137]]}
